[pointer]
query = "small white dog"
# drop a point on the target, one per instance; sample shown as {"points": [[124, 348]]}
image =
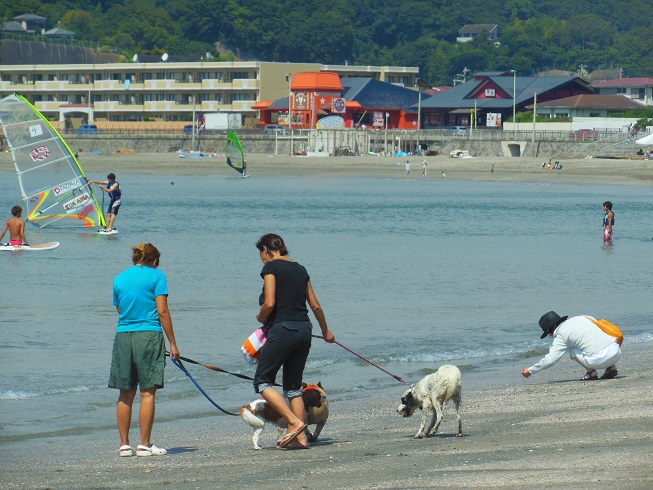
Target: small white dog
{"points": [[431, 394], [258, 413]]}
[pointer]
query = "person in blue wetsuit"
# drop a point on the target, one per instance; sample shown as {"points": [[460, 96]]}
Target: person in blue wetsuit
{"points": [[608, 221], [111, 187]]}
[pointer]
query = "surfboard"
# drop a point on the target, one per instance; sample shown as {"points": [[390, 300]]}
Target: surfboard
{"points": [[42, 246], [110, 232]]}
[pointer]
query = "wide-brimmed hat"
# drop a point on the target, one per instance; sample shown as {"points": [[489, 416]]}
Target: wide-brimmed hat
{"points": [[548, 320]]}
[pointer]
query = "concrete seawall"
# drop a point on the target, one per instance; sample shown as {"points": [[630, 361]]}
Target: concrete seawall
{"points": [[268, 146]]}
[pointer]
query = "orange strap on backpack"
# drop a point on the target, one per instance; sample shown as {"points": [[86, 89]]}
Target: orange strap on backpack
{"points": [[608, 327]]}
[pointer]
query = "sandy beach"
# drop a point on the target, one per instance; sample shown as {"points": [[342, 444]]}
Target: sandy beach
{"points": [[548, 431], [524, 169]]}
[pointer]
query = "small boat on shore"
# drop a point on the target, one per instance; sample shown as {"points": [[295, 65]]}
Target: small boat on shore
{"points": [[460, 154]]}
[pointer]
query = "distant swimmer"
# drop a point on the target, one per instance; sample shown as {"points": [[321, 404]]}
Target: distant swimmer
{"points": [[443, 176], [608, 221], [111, 187], [16, 227]]}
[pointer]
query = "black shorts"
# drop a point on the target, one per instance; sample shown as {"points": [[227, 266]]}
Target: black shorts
{"points": [[114, 206], [287, 346]]}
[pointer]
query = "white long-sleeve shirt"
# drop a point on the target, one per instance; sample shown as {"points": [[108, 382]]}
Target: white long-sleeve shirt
{"points": [[577, 332]]}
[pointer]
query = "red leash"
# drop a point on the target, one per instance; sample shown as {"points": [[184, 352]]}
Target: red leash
{"points": [[398, 378]]}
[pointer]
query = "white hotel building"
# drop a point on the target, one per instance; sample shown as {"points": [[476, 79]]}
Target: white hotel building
{"points": [[168, 91]]}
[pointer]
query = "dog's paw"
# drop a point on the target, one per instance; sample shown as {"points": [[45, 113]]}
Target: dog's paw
{"points": [[310, 437], [258, 448], [420, 435]]}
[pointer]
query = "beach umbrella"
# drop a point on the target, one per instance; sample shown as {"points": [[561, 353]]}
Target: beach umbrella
{"points": [[646, 140]]}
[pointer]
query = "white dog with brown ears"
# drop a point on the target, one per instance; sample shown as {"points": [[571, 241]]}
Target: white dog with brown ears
{"points": [[258, 413], [431, 394]]}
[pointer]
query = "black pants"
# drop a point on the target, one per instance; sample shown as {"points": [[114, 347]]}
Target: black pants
{"points": [[287, 346]]}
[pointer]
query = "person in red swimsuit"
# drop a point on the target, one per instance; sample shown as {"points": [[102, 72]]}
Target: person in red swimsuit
{"points": [[16, 227]]}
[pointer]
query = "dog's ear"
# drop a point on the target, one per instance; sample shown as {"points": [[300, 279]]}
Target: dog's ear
{"points": [[319, 383], [304, 385]]}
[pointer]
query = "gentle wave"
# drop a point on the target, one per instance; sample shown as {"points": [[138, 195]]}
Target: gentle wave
{"points": [[24, 395]]}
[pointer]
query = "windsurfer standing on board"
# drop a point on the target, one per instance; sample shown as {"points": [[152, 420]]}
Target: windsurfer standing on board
{"points": [[16, 227], [111, 187]]}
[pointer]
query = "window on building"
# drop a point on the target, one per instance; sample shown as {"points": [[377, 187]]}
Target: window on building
{"points": [[240, 75], [240, 97]]}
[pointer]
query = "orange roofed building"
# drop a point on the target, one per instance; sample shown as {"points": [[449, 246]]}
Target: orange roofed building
{"points": [[359, 101]]}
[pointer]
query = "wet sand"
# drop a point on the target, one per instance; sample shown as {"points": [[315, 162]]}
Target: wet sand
{"points": [[550, 431]]}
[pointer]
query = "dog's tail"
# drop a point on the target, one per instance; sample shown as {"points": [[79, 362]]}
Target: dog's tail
{"points": [[250, 418]]}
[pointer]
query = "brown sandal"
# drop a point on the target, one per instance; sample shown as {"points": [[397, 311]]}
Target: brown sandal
{"points": [[590, 376]]}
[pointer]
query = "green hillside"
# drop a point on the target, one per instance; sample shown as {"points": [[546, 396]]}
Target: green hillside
{"points": [[535, 35]]}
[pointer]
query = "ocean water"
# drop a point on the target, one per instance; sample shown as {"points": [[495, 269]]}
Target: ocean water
{"points": [[411, 273]]}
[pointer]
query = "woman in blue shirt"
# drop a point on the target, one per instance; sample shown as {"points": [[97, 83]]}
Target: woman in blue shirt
{"points": [[140, 294]]}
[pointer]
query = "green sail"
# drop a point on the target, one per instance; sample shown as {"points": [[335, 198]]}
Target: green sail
{"points": [[235, 153]]}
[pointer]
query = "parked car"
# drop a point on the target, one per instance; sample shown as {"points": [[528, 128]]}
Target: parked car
{"points": [[584, 134], [88, 129], [457, 131], [274, 129], [188, 129]]}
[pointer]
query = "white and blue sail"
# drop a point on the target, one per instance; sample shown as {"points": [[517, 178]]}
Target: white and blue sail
{"points": [[54, 187]]}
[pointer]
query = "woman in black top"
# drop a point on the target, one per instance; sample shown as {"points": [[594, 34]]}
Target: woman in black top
{"points": [[286, 290]]}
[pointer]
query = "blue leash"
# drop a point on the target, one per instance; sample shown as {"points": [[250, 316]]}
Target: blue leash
{"points": [[181, 366]]}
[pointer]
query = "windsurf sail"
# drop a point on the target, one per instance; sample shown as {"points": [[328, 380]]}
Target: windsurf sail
{"points": [[235, 153], [52, 182]]}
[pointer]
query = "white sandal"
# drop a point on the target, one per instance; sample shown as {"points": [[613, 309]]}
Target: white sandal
{"points": [[126, 451], [150, 451]]}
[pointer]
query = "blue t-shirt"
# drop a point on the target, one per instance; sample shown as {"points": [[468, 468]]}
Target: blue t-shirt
{"points": [[135, 291]]}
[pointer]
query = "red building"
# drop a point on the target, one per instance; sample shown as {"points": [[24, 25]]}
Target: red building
{"points": [[359, 101]]}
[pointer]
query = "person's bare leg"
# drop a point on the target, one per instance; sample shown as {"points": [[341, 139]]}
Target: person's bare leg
{"points": [[124, 414], [146, 415], [110, 219], [278, 402], [297, 407]]}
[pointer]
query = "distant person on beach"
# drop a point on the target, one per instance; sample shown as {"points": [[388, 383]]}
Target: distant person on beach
{"points": [[424, 165], [140, 294], [16, 227], [608, 221], [244, 168], [443, 176], [286, 290], [407, 167], [585, 343], [111, 187]]}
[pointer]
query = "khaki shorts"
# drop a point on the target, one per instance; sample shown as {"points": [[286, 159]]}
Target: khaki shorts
{"points": [[138, 359]]}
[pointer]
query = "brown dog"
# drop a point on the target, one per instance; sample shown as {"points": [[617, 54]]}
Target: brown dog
{"points": [[258, 413]]}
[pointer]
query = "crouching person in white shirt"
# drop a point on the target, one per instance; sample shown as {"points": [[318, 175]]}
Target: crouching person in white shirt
{"points": [[585, 343]]}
